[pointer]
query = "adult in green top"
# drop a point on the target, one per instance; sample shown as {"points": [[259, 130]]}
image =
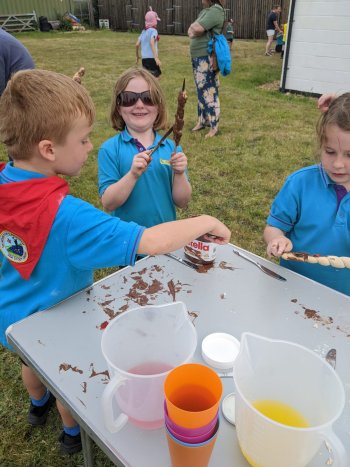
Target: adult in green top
{"points": [[210, 20]]}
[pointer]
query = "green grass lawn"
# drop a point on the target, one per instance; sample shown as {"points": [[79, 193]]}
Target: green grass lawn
{"points": [[264, 135]]}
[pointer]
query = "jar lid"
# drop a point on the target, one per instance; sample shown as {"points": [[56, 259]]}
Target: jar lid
{"points": [[220, 350], [228, 407]]}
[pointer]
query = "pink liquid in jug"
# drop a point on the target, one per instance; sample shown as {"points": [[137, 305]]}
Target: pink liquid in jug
{"points": [[149, 368]]}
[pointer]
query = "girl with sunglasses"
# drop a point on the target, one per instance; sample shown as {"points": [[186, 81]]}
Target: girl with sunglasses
{"points": [[134, 186]]}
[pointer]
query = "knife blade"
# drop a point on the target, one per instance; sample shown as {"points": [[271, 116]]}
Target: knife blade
{"points": [[266, 270], [182, 261], [164, 137]]}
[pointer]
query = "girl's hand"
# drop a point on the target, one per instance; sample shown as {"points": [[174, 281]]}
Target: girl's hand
{"points": [[325, 101], [279, 245], [220, 234], [140, 164], [158, 62], [178, 162]]}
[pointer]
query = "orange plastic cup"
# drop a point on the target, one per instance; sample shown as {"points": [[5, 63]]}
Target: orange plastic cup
{"points": [[192, 394], [190, 455]]}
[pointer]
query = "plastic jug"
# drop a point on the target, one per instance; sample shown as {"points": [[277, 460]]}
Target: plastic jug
{"points": [[269, 372], [141, 346]]}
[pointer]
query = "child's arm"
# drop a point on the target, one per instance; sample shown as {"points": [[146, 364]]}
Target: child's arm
{"points": [[170, 236], [137, 51], [182, 190], [276, 240], [117, 193], [154, 51]]}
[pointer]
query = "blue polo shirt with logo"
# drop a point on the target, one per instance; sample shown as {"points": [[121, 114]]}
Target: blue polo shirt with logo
{"points": [[151, 201], [315, 214], [82, 238]]}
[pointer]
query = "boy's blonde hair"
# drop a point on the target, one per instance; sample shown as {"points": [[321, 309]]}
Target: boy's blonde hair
{"points": [[337, 114], [38, 105], [156, 94]]}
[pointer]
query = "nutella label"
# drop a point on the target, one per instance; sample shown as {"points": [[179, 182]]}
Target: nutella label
{"points": [[201, 251]]}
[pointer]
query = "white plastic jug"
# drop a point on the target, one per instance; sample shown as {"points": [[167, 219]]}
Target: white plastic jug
{"points": [[141, 346], [268, 370]]}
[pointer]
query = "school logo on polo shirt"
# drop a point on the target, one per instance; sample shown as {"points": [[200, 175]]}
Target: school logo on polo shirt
{"points": [[13, 247]]}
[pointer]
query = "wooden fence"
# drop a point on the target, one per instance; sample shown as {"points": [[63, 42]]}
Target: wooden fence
{"points": [[176, 15]]}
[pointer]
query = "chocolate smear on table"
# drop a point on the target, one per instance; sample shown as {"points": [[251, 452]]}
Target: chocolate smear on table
{"points": [[294, 300], [320, 320], [106, 302], [193, 315], [172, 291], [106, 287], [68, 366], [224, 265], [84, 386], [100, 373], [81, 402], [204, 268], [109, 312], [123, 308]]}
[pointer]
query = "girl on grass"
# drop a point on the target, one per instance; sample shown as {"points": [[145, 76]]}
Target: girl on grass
{"points": [[133, 185], [311, 213]]}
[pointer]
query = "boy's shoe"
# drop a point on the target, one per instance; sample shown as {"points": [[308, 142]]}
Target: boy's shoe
{"points": [[267, 54], [38, 415], [70, 444]]}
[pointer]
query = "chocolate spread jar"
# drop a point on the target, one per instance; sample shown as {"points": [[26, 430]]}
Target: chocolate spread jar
{"points": [[200, 251]]}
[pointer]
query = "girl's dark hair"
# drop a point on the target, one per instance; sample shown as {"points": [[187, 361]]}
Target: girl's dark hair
{"points": [[338, 114]]}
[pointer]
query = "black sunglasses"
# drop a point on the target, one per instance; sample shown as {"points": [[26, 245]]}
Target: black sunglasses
{"points": [[129, 98]]}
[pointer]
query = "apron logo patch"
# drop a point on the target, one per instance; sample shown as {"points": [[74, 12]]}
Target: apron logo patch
{"points": [[13, 247]]}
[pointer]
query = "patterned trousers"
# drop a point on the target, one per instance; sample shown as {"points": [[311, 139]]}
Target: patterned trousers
{"points": [[207, 83]]}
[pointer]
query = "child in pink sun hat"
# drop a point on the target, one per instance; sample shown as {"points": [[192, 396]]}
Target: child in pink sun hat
{"points": [[148, 41]]}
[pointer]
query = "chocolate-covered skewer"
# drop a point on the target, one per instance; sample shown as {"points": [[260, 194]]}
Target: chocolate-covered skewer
{"points": [[179, 116]]}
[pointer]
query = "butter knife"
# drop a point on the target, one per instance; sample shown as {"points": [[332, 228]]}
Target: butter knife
{"points": [[267, 271], [182, 261]]}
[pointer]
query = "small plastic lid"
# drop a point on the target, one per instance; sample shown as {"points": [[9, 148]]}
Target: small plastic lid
{"points": [[220, 350], [228, 407]]}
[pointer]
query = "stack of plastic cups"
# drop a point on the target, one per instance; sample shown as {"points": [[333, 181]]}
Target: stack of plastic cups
{"points": [[191, 413]]}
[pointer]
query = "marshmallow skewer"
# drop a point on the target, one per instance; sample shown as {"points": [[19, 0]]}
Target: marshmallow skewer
{"points": [[334, 261]]}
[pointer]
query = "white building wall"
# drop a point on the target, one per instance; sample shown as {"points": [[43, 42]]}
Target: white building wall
{"points": [[319, 50]]}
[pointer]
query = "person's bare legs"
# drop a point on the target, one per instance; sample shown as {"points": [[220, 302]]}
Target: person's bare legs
{"points": [[198, 126], [268, 45], [212, 132], [36, 390], [32, 383], [66, 416]]}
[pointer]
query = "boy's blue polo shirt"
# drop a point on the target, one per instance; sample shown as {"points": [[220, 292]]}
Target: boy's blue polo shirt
{"points": [[151, 201], [82, 238], [306, 209]]}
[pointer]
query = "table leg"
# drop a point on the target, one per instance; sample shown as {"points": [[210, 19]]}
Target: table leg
{"points": [[87, 449]]}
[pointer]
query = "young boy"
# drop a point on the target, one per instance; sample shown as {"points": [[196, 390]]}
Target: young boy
{"points": [[51, 241], [148, 41]]}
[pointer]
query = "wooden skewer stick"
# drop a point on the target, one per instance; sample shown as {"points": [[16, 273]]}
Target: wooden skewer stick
{"points": [[334, 261]]}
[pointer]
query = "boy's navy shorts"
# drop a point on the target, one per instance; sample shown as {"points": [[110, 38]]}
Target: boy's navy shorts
{"points": [[151, 66]]}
